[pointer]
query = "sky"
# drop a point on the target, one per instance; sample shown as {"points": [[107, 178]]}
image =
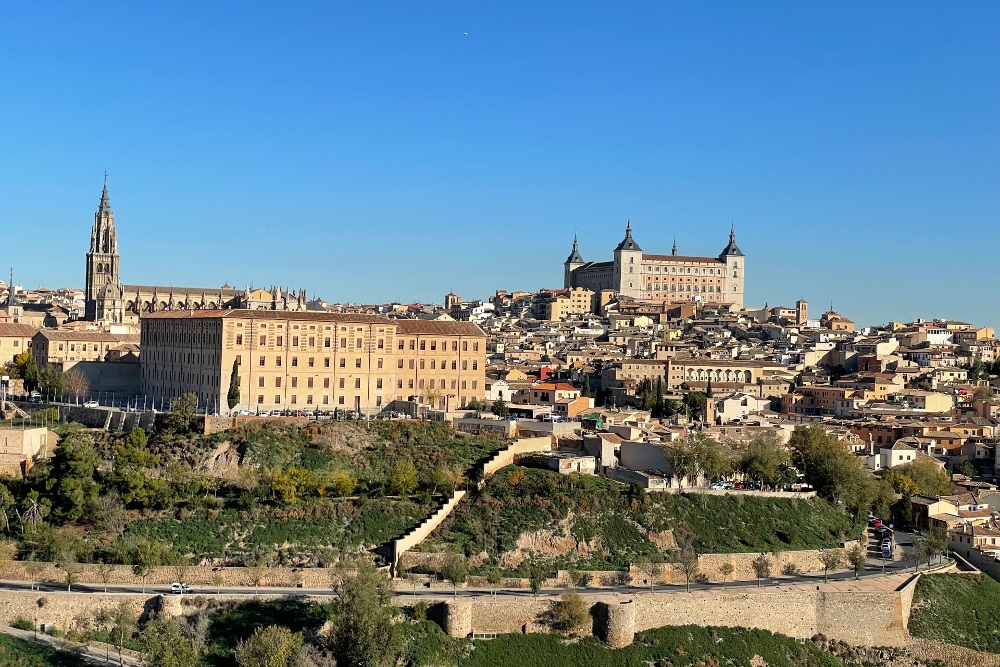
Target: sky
{"points": [[380, 151]]}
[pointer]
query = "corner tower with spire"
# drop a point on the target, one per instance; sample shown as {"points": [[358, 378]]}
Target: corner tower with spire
{"points": [[734, 260], [102, 297], [572, 263], [628, 265]]}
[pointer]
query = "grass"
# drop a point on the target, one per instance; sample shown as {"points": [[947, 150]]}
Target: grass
{"points": [[958, 609], [680, 646], [17, 652], [517, 500]]}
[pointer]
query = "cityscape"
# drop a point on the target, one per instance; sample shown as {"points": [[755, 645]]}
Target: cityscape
{"points": [[602, 437]]}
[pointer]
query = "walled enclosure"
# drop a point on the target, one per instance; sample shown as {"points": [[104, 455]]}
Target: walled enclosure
{"points": [[862, 617]]}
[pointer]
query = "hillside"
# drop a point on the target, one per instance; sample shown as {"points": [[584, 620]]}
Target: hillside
{"points": [[591, 522], [958, 609]]}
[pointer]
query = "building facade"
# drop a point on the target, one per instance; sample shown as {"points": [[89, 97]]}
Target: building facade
{"points": [[310, 360], [669, 278]]}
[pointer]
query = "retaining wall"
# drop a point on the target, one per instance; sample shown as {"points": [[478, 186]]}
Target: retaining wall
{"points": [[506, 457], [863, 617], [417, 535], [203, 578]]}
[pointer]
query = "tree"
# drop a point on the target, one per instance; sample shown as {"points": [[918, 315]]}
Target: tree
{"points": [[726, 570], [574, 578], [921, 549], [51, 381], [687, 560], [585, 390], [455, 569], [900, 483], [19, 364], [104, 572], [217, 579], [403, 479], [931, 479], [363, 634], [697, 454], [145, 555], [183, 410], [761, 567], [233, 397], [76, 383], [570, 613], [343, 482], [765, 459], [31, 376], [969, 470], [500, 409], [72, 478], [857, 557], [122, 624], [34, 567], [830, 558], [695, 401], [937, 541], [831, 468], [493, 578], [536, 579], [165, 645], [273, 646]]}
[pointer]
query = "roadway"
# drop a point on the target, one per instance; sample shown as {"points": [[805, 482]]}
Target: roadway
{"points": [[875, 568]]}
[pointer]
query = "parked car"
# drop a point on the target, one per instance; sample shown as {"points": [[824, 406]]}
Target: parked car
{"points": [[178, 587], [876, 523], [35, 397], [739, 486], [91, 404]]}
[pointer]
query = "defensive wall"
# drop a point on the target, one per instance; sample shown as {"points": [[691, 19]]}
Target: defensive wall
{"points": [[418, 534], [217, 424], [870, 613]]}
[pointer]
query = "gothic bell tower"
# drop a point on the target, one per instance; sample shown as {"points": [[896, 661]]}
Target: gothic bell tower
{"points": [[102, 285]]}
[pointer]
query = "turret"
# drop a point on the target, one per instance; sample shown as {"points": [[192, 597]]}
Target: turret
{"points": [[735, 270], [573, 262], [628, 265]]}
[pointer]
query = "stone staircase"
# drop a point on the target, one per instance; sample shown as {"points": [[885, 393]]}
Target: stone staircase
{"points": [[12, 407], [419, 533]]}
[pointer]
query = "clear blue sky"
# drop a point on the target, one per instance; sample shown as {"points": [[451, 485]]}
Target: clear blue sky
{"points": [[856, 146]]}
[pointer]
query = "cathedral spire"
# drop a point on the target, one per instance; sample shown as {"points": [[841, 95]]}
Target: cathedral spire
{"points": [[574, 257], [673, 250]]}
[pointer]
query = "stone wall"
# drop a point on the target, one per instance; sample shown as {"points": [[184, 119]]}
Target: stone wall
{"points": [[199, 577], [507, 456], [216, 424], [90, 417], [67, 611], [855, 614]]}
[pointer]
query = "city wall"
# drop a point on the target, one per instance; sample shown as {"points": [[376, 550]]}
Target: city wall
{"points": [[506, 457], [862, 617]]}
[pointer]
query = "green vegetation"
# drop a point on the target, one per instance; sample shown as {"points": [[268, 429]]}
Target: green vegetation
{"points": [[681, 646], [262, 494], [618, 520], [958, 609], [17, 652]]}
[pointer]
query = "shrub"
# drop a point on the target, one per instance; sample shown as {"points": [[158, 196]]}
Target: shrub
{"points": [[23, 623]]}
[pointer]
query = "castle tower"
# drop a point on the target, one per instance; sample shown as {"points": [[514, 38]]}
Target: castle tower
{"points": [[102, 285], [628, 265], [735, 270], [573, 262]]}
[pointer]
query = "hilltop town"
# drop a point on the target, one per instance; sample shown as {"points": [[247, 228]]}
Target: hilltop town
{"points": [[639, 427]]}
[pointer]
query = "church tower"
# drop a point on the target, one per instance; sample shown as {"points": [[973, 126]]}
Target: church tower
{"points": [[573, 262], [103, 298]]}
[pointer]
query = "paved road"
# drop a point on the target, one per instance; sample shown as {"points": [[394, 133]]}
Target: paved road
{"points": [[99, 654], [421, 590]]}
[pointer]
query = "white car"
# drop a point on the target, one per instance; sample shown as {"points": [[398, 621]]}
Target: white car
{"points": [[91, 404], [178, 587]]}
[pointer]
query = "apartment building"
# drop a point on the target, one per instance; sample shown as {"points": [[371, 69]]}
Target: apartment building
{"points": [[311, 359], [14, 339], [69, 347]]}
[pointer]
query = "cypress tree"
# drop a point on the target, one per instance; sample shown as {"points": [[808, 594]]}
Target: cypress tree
{"points": [[233, 397]]}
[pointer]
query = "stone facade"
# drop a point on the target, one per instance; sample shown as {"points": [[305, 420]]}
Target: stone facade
{"points": [[311, 360], [661, 278]]}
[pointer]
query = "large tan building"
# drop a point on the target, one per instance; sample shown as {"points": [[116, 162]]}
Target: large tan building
{"points": [[69, 347], [14, 339], [302, 360]]}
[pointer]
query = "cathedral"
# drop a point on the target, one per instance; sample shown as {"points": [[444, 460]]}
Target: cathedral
{"points": [[108, 301], [669, 278]]}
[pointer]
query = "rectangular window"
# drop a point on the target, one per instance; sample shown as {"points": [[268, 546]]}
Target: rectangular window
{"points": [[421, 383], [454, 365], [463, 384], [465, 365], [260, 381], [343, 362], [312, 341], [410, 384], [434, 345], [381, 343], [326, 342], [295, 382], [357, 383], [343, 343], [475, 365], [475, 348], [277, 399], [239, 359], [277, 362], [341, 383], [399, 384], [412, 345], [309, 384], [399, 363], [263, 340], [400, 344], [340, 400], [260, 400], [312, 361], [309, 399], [421, 364], [280, 341], [357, 362], [465, 346], [239, 339], [380, 362], [262, 361], [277, 382], [326, 383], [295, 362], [326, 362], [294, 399], [378, 383], [357, 343], [295, 341], [326, 400]]}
